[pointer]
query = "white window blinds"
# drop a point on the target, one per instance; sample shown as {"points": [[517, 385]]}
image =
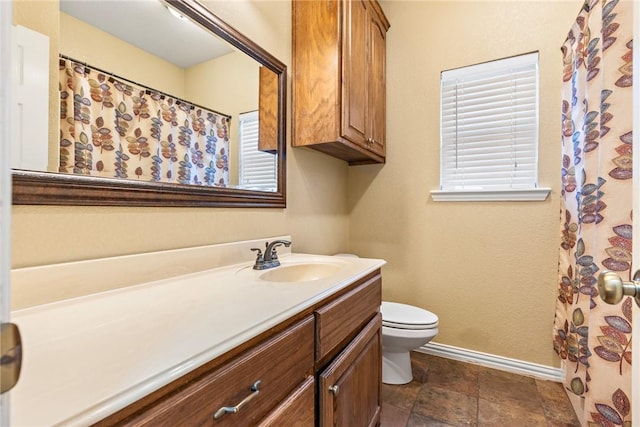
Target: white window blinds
{"points": [[258, 170], [489, 126]]}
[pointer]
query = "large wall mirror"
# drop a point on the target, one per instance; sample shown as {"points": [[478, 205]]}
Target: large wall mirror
{"points": [[155, 103]]}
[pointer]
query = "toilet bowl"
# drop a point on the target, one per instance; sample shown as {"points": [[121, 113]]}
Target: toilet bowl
{"points": [[404, 328]]}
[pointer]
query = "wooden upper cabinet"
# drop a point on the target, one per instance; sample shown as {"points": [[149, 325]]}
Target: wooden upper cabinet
{"points": [[339, 78], [268, 111]]}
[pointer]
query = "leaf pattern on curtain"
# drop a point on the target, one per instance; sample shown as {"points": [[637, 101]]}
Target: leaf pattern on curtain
{"points": [[111, 128], [594, 338]]}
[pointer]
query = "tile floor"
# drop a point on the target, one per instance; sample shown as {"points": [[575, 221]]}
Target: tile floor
{"points": [[447, 393]]}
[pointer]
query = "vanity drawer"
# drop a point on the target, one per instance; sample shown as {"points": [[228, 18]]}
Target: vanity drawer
{"points": [[341, 319], [298, 410], [280, 364]]}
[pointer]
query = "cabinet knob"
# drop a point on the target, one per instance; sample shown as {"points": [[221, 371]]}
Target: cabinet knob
{"points": [[334, 389], [234, 409]]}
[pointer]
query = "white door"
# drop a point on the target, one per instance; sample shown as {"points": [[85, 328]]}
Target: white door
{"points": [[633, 287], [9, 353]]}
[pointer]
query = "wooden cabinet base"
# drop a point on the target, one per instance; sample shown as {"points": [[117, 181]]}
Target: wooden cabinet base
{"points": [[335, 343]]}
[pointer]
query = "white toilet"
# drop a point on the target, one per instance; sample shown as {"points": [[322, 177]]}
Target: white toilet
{"points": [[404, 328]]}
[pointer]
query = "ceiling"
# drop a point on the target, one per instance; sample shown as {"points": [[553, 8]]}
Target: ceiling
{"points": [[148, 24]]}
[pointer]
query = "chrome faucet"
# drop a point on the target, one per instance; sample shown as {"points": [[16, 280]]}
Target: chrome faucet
{"points": [[270, 257]]}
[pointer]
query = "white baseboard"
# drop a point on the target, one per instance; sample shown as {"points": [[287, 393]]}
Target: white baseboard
{"points": [[492, 361]]}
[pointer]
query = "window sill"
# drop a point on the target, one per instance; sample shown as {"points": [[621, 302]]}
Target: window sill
{"points": [[525, 195]]}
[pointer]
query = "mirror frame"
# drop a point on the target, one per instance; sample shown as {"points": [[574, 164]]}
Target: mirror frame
{"points": [[50, 188]]}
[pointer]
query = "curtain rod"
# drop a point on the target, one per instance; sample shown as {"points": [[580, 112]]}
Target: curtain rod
{"points": [[147, 88]]}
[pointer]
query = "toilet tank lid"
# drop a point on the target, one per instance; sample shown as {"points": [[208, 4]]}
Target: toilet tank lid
{"points": [[404, 314]]}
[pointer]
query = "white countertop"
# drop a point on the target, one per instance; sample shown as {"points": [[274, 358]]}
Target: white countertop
{"points": [[87, 357]]}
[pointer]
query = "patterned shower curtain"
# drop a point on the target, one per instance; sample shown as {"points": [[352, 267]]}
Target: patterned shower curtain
{"points": [[111, 128], [594, 338]]}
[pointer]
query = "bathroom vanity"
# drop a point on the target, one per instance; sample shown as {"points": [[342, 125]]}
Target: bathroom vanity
{"points": [[297, 345], [335, 344]]}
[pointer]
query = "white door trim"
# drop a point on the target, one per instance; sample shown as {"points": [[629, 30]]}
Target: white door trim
{"points": [[635, 366], [6, 97]]}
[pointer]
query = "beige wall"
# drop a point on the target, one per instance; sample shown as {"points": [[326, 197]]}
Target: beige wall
{"points": [[89, 44], [316, 215], [487, 269], [228, 84]]}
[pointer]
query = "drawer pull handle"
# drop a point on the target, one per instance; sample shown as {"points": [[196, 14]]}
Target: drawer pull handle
{"points": [[334, 389], [233, 409]]}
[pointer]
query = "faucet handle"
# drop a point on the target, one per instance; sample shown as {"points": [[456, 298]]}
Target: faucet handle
{"points": [[259, 264], [259, 252]]}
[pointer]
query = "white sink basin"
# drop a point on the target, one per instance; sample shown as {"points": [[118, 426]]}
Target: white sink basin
{"points": [[300, 272]]}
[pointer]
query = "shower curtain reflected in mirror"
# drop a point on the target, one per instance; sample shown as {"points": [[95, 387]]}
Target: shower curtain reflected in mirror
{"points": [[112, 128], [592, 337]]}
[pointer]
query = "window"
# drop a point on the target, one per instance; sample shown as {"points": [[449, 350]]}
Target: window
{"points": [[489, 131], [258, 170]]}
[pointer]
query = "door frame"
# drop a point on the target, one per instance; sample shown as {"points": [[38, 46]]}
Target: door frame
{"points": [[635, 366], [6, 20]]}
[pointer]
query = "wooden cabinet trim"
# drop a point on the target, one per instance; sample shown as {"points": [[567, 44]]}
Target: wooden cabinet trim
{"points": [[379, 13]]}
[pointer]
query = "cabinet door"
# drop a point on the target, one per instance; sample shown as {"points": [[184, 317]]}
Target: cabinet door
{"points": [[355, 71], [377, 86], [349, 388]]}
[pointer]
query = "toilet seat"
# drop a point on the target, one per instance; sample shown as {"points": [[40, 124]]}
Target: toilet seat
{"points": [[402, 316]]}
